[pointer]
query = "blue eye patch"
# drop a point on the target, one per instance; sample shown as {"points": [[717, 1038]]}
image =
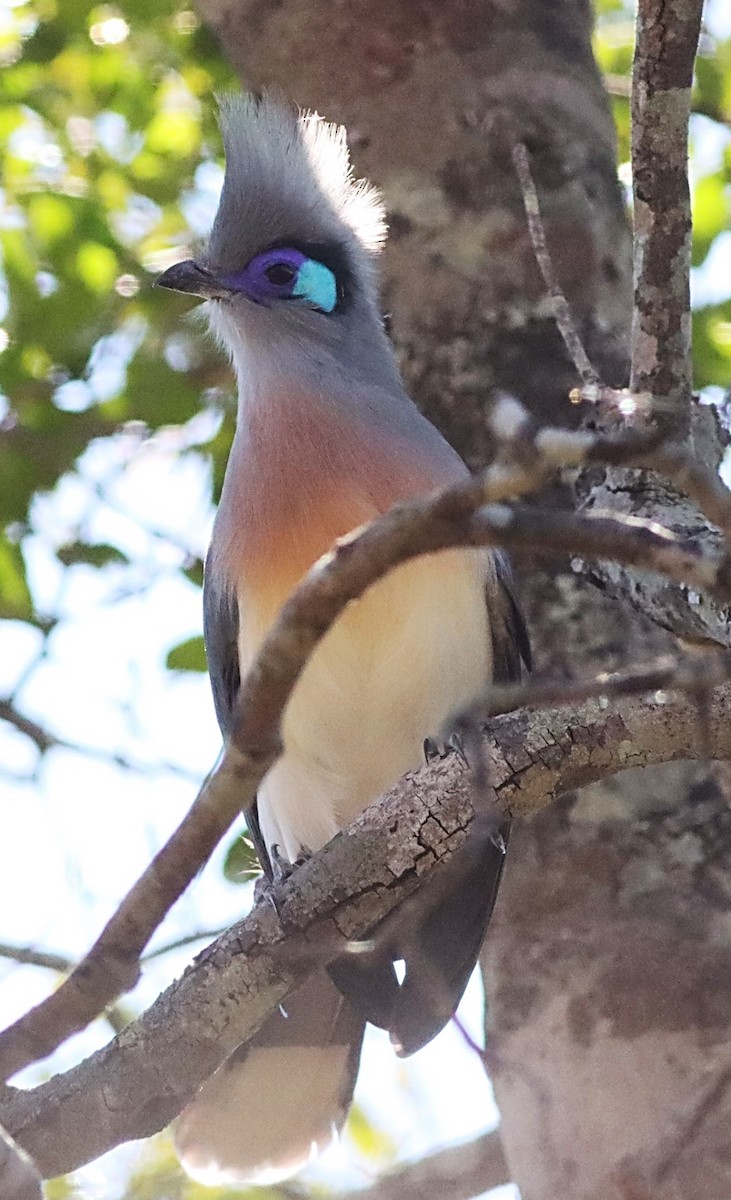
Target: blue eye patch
{"points": [[316, 283]]}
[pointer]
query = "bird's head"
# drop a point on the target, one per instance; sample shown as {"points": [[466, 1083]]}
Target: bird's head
{"points": [[292, 251]]}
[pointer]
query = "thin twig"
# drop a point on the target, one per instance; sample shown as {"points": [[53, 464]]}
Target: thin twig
{"points": [[27, 956], [199, 935], [561, 309], [691, 674], [41, 738], [456, 1173], [697, 480], [115, 1017], [666, 41], [44, 741]]}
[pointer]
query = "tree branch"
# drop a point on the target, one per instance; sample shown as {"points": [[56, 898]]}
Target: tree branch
{"points": [[139, 1082], [694, 675], [41, 738], [19, 1179], [666, 42], [27, 956], [44, 740], [561, 309], [456, 1173]]}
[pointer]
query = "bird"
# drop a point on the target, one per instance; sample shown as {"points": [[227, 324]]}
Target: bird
{"points": [[326, 440]]}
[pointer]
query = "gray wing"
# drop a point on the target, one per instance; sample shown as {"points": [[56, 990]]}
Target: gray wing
{"points": [[221, 635], [511, 650]]}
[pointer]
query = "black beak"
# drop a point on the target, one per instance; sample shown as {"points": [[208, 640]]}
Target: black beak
{"points": [[196, 281]]}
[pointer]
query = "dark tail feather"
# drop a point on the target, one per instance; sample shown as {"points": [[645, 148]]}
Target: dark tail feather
{"points": [[370, 984], [511, 650], [443, 936], [438, 933]]}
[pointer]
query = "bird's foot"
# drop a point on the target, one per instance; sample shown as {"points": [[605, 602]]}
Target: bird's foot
{"points": [[435, 751], [267, 886], [282, 868], [263, 889]]}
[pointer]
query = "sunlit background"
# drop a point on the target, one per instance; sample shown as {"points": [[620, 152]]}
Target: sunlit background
{"points": [[111, 172]]}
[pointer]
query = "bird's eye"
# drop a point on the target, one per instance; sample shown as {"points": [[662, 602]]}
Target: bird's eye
{"points": [[286, 273], [280, 274]]}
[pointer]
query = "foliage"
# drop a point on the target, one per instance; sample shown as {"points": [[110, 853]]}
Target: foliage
{"points": [[106, 128]]}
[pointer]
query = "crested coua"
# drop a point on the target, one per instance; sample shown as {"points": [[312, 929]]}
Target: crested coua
{"points": [[326, 440]]}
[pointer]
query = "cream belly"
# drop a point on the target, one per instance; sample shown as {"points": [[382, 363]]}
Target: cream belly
{"points": [[394, 667]]}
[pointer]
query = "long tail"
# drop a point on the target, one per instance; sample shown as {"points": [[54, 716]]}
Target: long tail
{"points": [[281, 1098]]}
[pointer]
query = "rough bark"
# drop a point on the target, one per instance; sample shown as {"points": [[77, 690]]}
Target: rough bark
{"points": [[607, 976], [464, 514], [667, 39], [607, 965], [610, 975]]}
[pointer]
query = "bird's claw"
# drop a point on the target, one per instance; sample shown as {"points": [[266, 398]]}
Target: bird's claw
{"points": [[498, 841], [266, 886], [435, 751], [282, 868]]}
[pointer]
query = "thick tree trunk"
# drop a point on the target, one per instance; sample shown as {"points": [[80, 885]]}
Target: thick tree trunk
{"points": [[607, 968], [609, 979], [434, 94]]}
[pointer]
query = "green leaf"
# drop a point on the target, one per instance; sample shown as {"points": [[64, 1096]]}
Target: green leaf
{"points": [[708, 89], [36, 452], [15, 599], [187, 656], [174, 133], [712, 345], [96, 554], [710, 214], [60, 1189], [157, 394], [194, 572], [157, 1175], [241, 864], [98, 267], [51, 217]]}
